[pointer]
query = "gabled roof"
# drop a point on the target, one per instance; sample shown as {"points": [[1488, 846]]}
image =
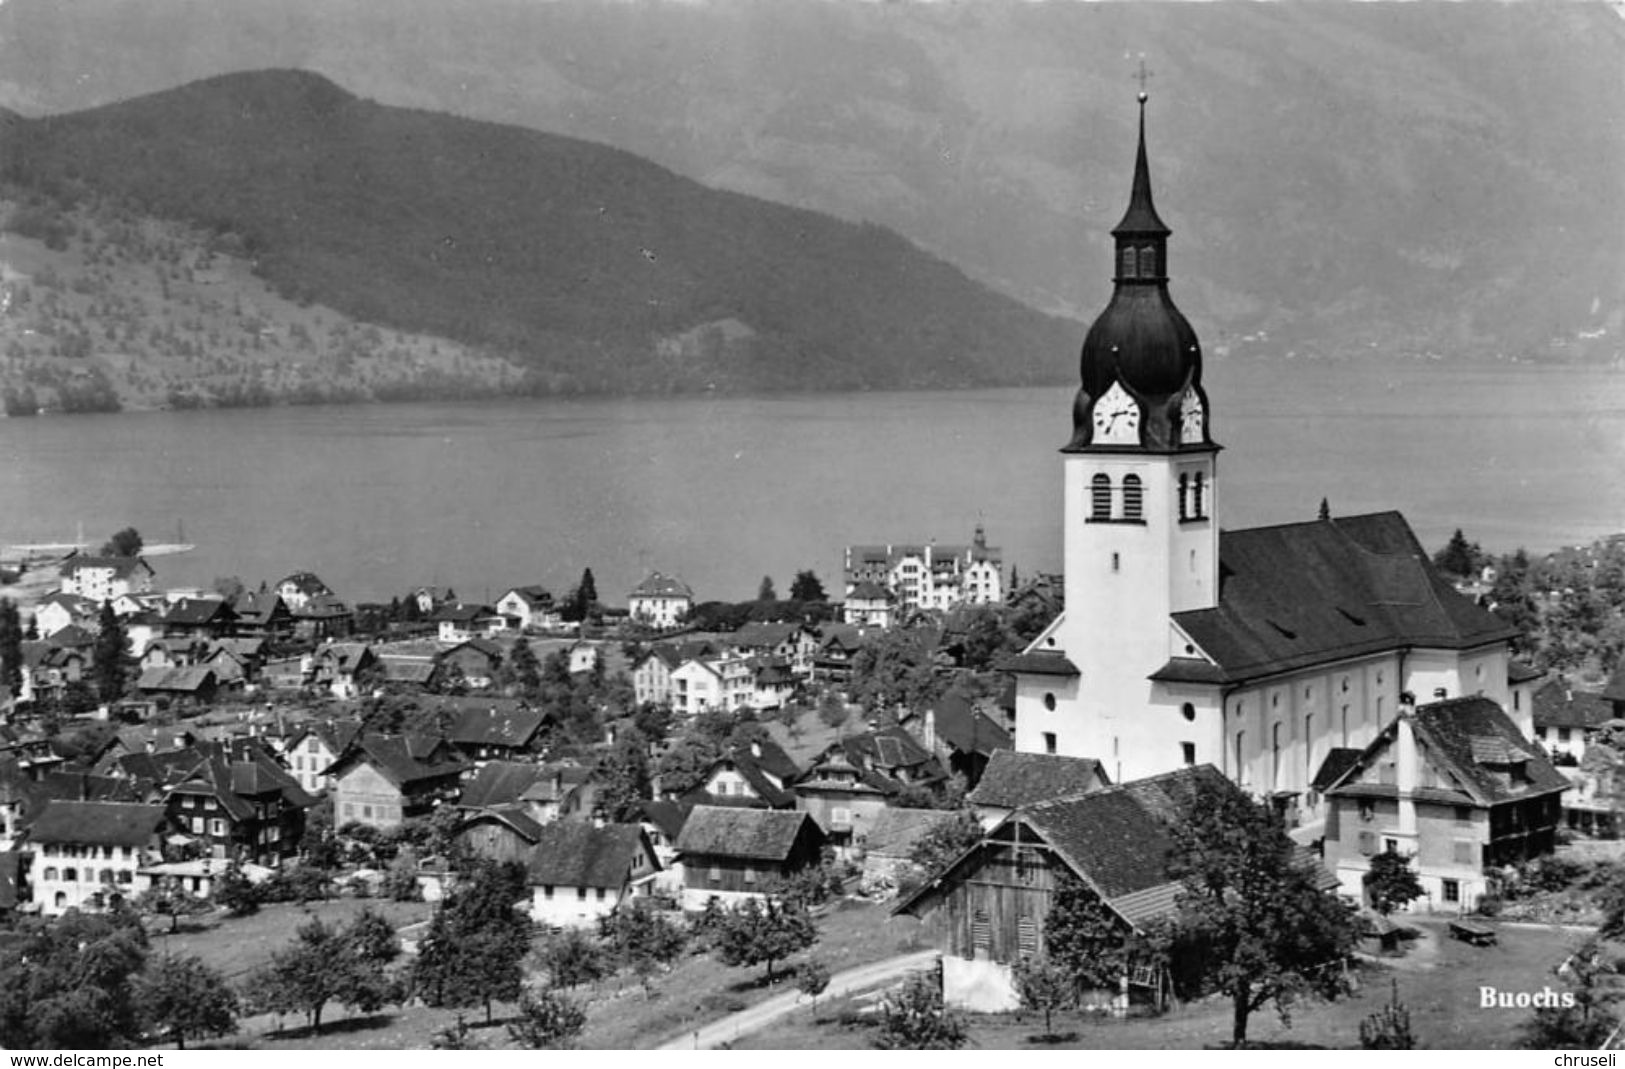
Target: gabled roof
{"points": [[868, 590], [895, 832], [574, 854], [402, 759], [514, 817], [961, 725], [560, 779], [666, 815], [757, 635], [1338, 761], [1558, 705], [199, 612], [501, 783], [1039, 664], [71, 637], [1519, 672], [536, 597], [259, 608], [98, 823], [1474, 745], [759, 834], [494, 726], [1012, 779], [183, 679], [662, 586], [461, 613], [888, 749], [1301, 594]]}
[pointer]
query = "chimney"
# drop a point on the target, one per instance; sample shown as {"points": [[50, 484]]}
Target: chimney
{"points": [[1407, 773], [755, 747]]}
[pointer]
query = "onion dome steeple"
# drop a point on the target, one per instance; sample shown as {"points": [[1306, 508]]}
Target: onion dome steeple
{"points": [[1141, 364]]}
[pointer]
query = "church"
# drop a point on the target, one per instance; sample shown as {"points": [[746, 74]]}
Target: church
{"points": [[1274, 654]]}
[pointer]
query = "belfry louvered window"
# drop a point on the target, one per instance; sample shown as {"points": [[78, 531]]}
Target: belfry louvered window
{"points": [[1100, 497], [1128, 263], [1133, 498], [1148, 262], [1198, 506]]}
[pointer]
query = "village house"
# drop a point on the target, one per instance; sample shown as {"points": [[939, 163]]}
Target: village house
{"points": [[105, 578], [476, 660], [1013, 780], [1565, 719], [580, 872], [87, 854], [299, 589], [584, 656], [312, 749], [755, 773], [652, 669], [528, 608], [59, 610], [793, 645], [487, 729], [846, 801], [733, 854], [660, 602], [190, 685], [321, 618], [382, 780], [339, 667], [869, 604], [1455, 787], [263, 614], [840, 644], [459, 623], [506, 833], [48, 670], [559, 790], [239, 803], [892, 758], [171, 653], [199, 618], [959, 735], [726, 681]]}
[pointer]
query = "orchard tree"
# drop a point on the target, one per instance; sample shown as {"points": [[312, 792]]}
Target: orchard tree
{"points": [[166, 898], [1264, 930], [547, 1020], [765, 591], [236, 893], [323, 964], [1390, 883], [914, 1018], [764, 933], [623, 778], [181, 996], [573, 958], [642, 940], [1044, 986], [811, 980], [1088, 941], [1591, 1015], [474, 951], [68, 982]]}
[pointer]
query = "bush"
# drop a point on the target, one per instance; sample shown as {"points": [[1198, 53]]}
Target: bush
{"points": [[1489, 906]]}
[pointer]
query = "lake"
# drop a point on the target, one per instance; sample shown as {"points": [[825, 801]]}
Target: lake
{"points": [[721, 491]]}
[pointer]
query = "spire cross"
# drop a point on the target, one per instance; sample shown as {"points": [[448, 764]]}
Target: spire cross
{"points": [[1142, 76]]}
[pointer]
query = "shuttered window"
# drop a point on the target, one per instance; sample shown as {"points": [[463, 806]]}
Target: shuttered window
{"points": [[981, 930], [1026, 936]]}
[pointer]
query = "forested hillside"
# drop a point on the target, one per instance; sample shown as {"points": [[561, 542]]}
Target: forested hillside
{"points": [[588, 267]]}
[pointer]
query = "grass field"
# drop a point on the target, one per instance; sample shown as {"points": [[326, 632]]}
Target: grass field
{"points": [[1438, 982], [620, 1016]]}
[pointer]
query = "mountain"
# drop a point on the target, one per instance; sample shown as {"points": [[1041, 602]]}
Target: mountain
{"points": [[588, 266], [1340, 177]]}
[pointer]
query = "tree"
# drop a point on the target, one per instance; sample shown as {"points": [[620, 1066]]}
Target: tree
{"points": [[1584, 1016], [832, 709], [67, 982], [1089, 942], [1459, 557], [112, 652], [573, 958], [642, 940], [807, 587], [623, 778], [1264, 931], [942, 845], [765, 591], [764, 933], [124, 543], [1390, 883], [1044, 986], [229, 587], [525, 669], [181, 997], [235, 893], [547, 1020], [11, 647], [322, 965], [915, 1019], [811, 980], [474, 951]]}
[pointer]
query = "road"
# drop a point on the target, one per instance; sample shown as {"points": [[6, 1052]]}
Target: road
{"points": [[763, 1014]]}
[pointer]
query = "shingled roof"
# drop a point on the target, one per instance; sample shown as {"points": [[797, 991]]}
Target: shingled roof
{"points": [[501, 783], [573, 854], [1301, 594], [402, 759], [959, 724], [725, 831], [1012, 779], [1473, 743], [97, 823]]}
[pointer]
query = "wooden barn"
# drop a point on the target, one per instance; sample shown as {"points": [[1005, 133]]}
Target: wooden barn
{"points": [[989, 905], [502, 834], [730, 853]]}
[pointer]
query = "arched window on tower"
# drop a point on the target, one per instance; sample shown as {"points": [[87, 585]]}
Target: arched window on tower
{"points": [[1275, 756], [1184, 488], [1128, 263], [1148, 262], [1100, 497], [1198, 506], [1133, 498]]}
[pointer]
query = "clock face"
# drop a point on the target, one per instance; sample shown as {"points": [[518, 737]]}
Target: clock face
{"points": [[1191, 419], [1116, 418]]}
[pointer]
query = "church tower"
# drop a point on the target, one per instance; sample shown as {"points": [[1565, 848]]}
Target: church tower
{"points": [[1141, 536]]}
